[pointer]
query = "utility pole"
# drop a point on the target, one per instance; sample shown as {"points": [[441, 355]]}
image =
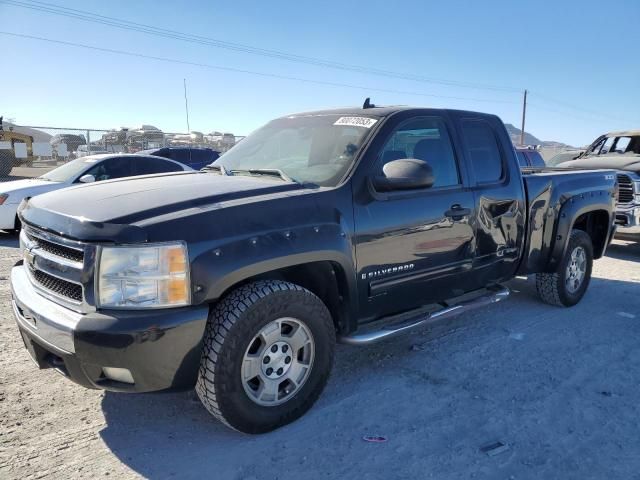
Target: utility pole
{"points": [[524, 115], [186, 104]]}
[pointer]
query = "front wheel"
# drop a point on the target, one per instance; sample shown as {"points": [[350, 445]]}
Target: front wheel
{"points": [[567, 285], [267, 355]]}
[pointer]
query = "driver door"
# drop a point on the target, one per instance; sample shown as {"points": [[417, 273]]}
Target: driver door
{"points": [[414, 247]]}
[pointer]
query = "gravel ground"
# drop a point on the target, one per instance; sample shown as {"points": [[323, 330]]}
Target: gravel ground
{"points": [[559, 387]]}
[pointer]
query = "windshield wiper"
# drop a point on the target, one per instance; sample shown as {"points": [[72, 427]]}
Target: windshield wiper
{"points": [[274, 172], [219, 168]]}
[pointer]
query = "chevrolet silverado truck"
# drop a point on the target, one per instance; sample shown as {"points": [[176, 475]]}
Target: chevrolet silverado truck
{"points": [[619, 151], [348, 225]]}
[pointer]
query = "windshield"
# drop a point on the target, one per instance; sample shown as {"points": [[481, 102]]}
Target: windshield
{"points": [[315, 149], [69, 171], [620, 145]]}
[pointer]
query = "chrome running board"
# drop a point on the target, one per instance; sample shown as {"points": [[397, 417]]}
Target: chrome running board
{"points": [[491, 296]]}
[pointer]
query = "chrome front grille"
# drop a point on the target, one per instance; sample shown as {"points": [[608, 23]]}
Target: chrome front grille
{"points": [[73, 254], [58, 285], [625, 188], [59, 269]]}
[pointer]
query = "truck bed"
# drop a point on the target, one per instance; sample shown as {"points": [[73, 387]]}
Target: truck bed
{"points": [[555, 197]]}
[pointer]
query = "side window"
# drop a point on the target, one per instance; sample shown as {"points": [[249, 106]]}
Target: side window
{"points": [[111, 168], [199, 158], [535, 159], [522, 159], [148, 166], [622, 144], [606, 148], [483, 150], [181, 156], [424, 139]]}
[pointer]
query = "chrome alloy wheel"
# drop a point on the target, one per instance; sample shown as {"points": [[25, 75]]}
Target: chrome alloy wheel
{"points": [[576, 269], [278, 361]]}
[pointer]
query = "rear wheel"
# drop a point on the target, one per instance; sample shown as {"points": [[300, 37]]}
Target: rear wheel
{"points": [[268, 353], [568, 284]]}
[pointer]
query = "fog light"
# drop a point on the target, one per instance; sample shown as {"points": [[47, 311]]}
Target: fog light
{"points": [[118, 374]]}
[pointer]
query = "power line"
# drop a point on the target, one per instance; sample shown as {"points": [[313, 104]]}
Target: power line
{"points": [[581, 116], [197, 39], [251, 72], [570, 106], [176, 35]]}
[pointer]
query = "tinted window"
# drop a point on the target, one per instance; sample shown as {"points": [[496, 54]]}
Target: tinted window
{"points": [[535, 159], [110, 168], [203, 156], [483, 150], [522, 159], [147, 166], [425, 139], [180, 155]]}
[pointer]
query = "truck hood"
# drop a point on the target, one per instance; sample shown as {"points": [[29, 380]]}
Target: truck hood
{"points": [[630, 163], [113, 210], [29, 187]]}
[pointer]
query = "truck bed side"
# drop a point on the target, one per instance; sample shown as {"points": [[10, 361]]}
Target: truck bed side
{"points": [[559, 201]]}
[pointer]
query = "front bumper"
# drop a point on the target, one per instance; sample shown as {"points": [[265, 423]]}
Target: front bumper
{"points": [[628, 220], [160, 348]]}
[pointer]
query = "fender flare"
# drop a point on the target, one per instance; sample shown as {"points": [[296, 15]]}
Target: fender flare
{"points": [[570, 211]]}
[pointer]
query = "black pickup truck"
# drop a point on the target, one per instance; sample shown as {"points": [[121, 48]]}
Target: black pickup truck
{"points": [[344, 225]]}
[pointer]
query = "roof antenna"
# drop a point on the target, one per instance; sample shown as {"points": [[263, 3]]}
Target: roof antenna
{"points": [[367, 103]]}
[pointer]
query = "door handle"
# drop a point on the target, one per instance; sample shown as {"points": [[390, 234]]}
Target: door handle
{"points": [[456, 212]]}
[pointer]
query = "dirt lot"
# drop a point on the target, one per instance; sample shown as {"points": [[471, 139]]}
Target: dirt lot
{"points": [[559, 387]]}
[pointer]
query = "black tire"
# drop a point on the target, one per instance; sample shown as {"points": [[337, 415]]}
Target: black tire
{"points": [[552, 287], [17, 226], [233, 323]]}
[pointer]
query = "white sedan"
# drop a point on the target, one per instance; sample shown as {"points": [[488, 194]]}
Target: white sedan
{"points": [[93, 168]]}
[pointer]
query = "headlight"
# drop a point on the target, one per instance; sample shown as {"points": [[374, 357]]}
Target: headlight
{"points": [[149, 276]]}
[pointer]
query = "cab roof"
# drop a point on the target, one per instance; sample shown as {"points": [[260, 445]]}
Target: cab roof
{"points": [[624, 133], [382, 111]]}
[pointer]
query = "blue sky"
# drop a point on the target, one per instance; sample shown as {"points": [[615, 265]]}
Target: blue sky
{"points": [[577, 53]]}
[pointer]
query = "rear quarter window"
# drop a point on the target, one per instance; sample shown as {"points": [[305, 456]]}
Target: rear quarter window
{"points": [[483, 151]]}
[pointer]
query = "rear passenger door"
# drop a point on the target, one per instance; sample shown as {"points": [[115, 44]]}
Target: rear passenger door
{"points": [[497, 187]]}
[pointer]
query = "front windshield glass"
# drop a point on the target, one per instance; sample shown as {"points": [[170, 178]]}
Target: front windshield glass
{"points": [[316, 149], [68, 171]]}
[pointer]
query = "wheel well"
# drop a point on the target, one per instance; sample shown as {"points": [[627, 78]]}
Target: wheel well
{"points": [[596, 225], [324, 279]]}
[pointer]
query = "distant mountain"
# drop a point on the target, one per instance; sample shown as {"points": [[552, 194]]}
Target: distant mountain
{"points": [[529, 139], [38, 135]]}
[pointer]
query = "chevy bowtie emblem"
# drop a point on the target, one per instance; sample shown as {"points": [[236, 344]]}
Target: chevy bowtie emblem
{"points": [[29, 257]]}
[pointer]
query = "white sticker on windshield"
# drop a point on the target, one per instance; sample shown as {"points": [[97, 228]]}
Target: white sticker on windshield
{"points": [[356, 121]]}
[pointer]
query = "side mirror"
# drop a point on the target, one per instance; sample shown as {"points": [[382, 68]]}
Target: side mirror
{"points": [[87, 179], [404, 174]]}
